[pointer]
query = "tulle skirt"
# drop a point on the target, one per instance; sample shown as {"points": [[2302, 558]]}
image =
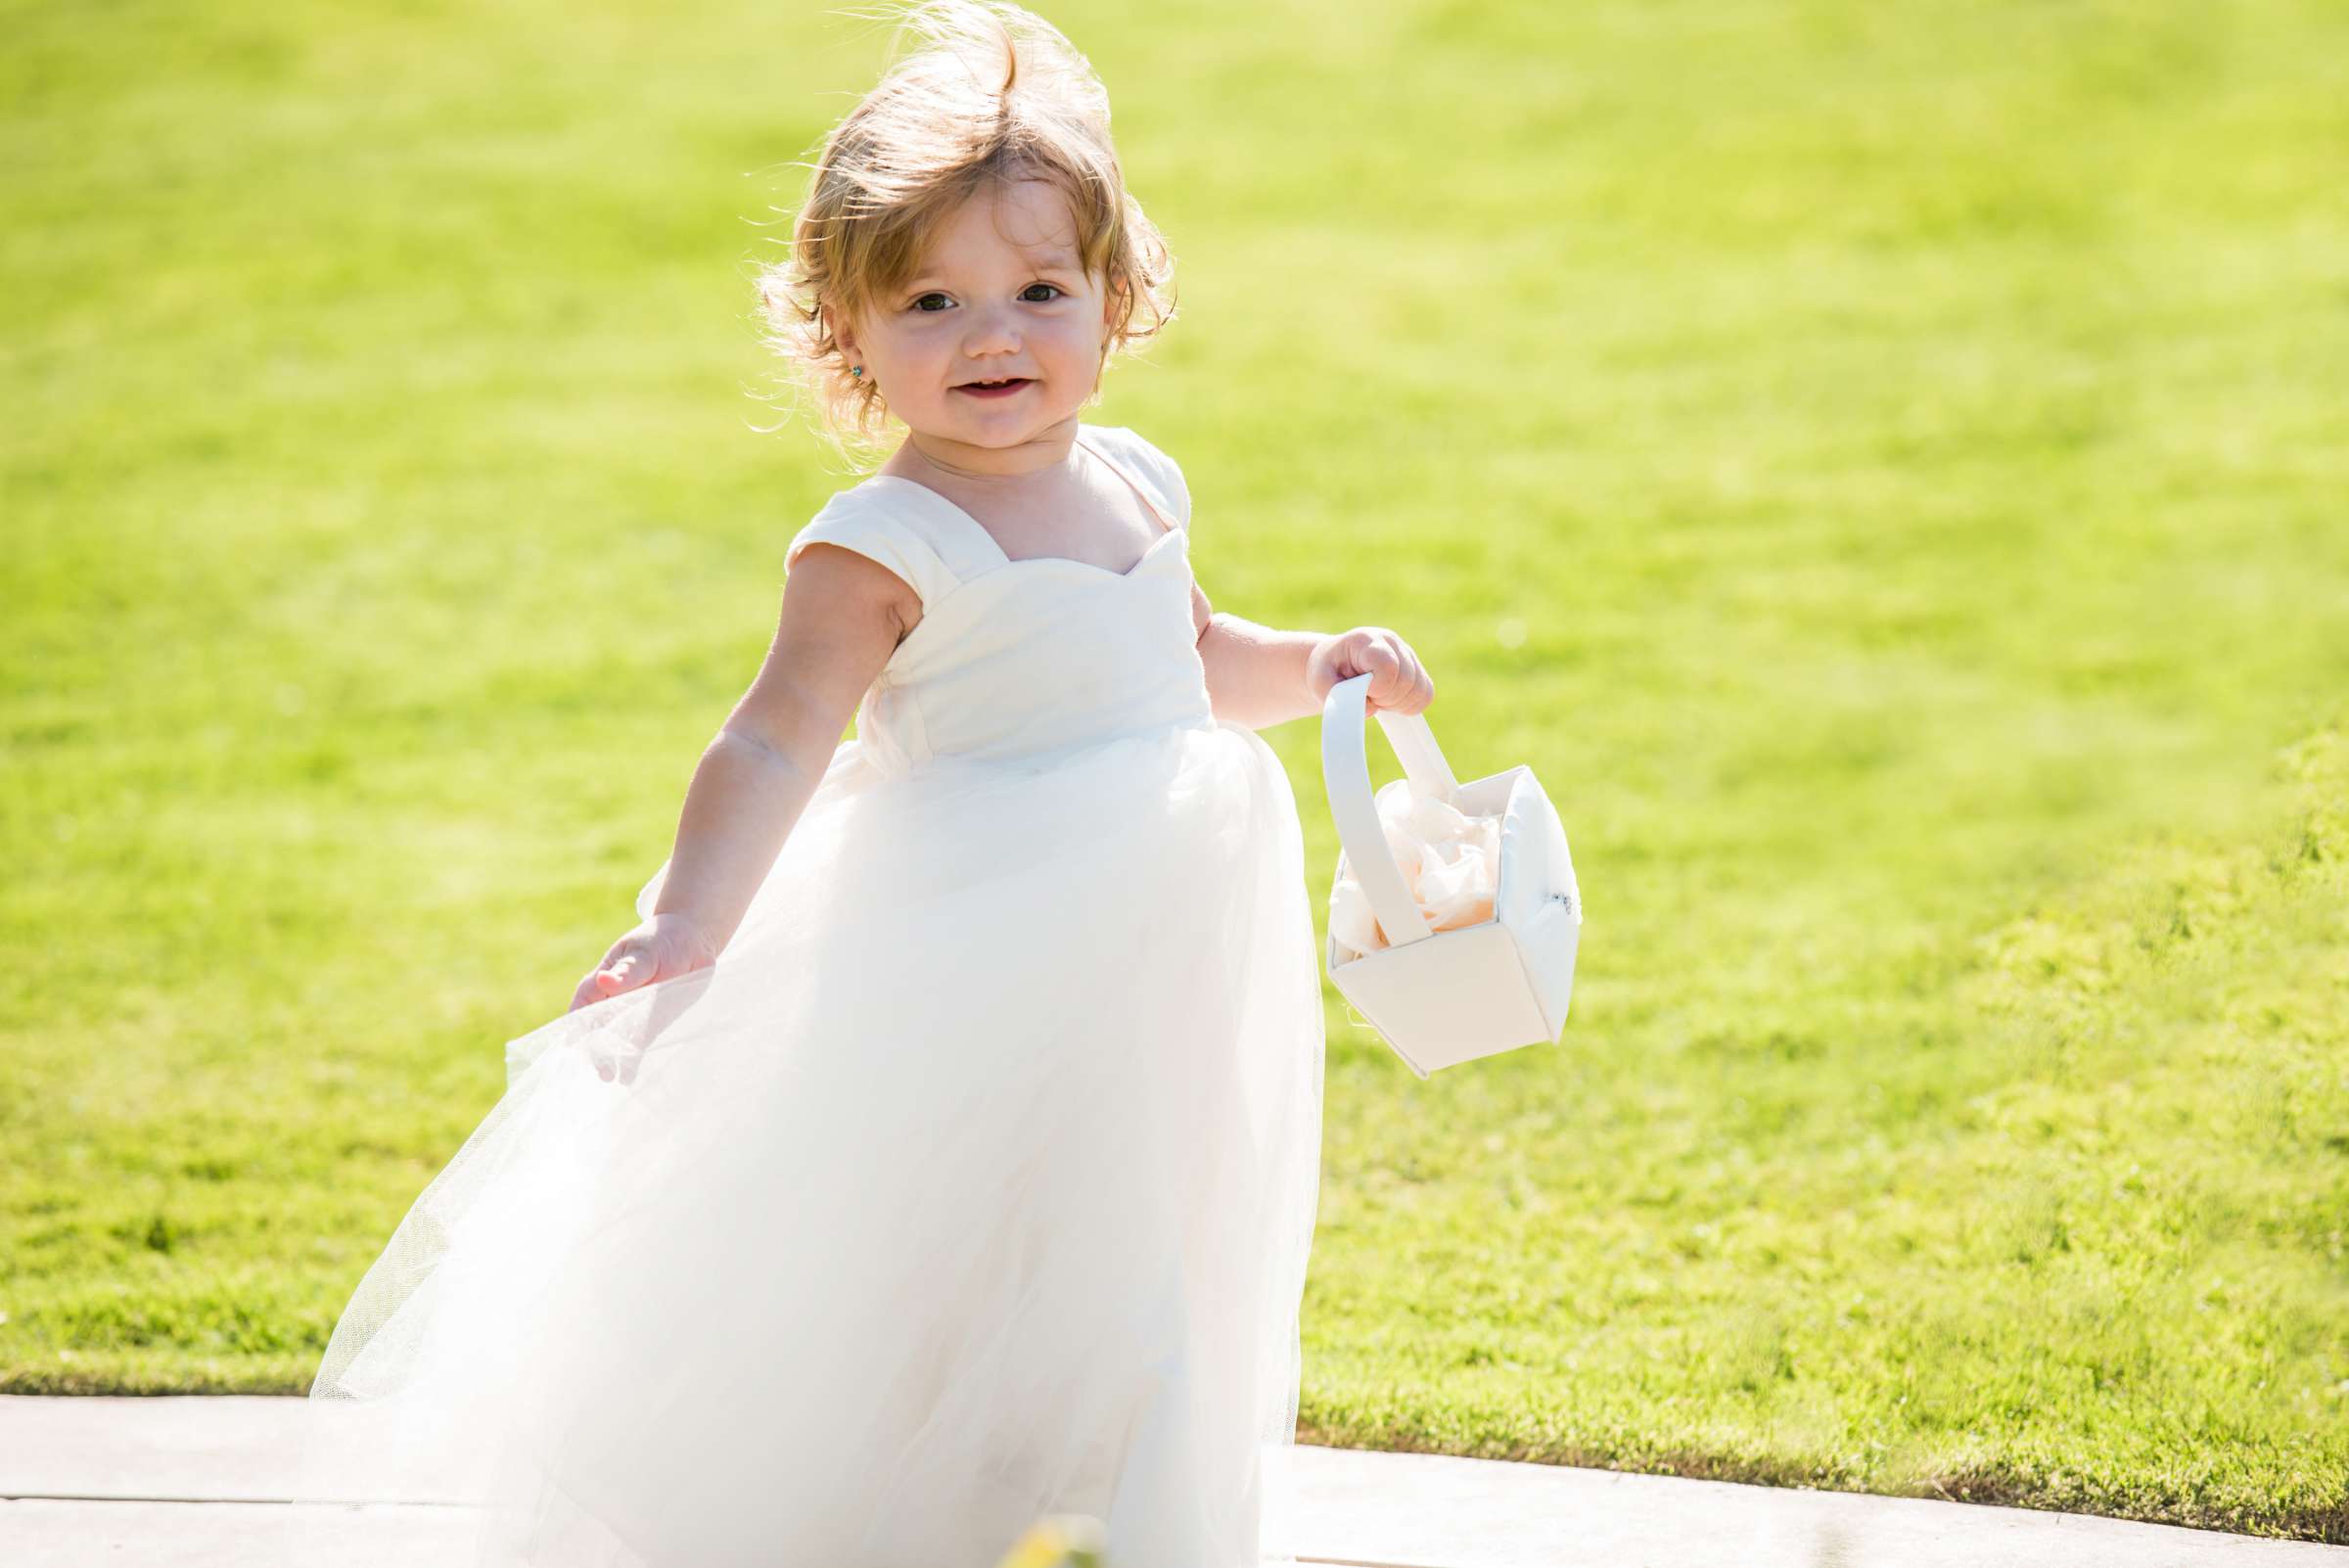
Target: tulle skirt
{"points": [[974, 1182]]}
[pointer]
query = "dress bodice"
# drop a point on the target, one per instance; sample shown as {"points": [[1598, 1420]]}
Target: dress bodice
{"points": [[1020, 659]]}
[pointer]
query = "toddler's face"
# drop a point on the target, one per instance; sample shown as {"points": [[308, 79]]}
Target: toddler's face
{"points": [[1000, 295]]}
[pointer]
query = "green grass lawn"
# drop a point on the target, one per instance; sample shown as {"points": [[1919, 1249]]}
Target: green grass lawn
{"points": [[1882, 466]]}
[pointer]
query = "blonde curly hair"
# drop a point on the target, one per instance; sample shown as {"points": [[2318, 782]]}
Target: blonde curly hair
{"points": [[997, 95]]}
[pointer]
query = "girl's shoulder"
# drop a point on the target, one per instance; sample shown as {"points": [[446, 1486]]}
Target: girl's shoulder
{"points": [[883, 522], [1149, 465]]}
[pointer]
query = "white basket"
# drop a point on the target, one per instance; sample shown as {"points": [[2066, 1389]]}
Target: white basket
{"points": [[1443, 997]]}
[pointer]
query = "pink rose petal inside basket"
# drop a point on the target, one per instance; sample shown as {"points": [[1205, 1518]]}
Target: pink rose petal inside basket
{"points": [[1450, 862]]}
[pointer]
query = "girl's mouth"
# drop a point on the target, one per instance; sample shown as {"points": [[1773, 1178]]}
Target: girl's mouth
{"points": [[1004, 388]]}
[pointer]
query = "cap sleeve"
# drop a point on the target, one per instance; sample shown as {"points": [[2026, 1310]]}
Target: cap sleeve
{"points": [[1155, 469], [856, 524]]}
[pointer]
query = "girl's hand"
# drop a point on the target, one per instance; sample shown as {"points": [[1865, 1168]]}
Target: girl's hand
{"points": [[1398, 681], [661, 949]]}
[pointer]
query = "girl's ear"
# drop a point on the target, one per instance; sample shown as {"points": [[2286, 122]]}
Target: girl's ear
{"points": [[842, 332]]}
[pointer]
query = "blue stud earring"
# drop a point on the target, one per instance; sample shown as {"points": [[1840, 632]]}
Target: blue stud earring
{"points": [[858, 371]]}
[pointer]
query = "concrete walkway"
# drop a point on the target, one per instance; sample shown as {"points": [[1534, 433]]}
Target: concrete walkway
{"points": [[202, 1483]]}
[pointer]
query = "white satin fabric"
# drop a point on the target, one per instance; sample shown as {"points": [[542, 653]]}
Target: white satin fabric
{"points": [[976, 1181]]}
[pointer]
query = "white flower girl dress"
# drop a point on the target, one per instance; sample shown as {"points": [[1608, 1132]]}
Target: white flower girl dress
{"points": [[975, 1182]]}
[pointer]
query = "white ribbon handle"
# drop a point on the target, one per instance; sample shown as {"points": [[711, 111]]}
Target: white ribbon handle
{"points": [[1345, 776]]}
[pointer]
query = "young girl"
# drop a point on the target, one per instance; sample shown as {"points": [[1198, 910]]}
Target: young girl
{"points": [[941, 1151]]}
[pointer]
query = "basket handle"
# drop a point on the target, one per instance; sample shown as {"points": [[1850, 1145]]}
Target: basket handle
{"points": [[1345, 776]]}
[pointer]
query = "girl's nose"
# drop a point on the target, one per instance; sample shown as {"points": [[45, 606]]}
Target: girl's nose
{"points": [[993, 333]]}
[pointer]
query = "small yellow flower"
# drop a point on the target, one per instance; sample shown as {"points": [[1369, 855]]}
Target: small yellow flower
{"points": [[1059, 1540]]}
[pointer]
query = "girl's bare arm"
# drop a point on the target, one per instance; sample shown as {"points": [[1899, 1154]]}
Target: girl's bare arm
{"points": [[1257, 676], [842, 615]]}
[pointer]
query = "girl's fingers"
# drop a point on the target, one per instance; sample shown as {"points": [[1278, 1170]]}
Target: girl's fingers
{"points": [[608, 981], [631, 971], [630, 962], [1408, 691], [619, 971]]}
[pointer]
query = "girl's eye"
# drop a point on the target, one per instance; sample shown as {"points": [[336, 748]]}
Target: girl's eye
{"points": [[1056, 289]]}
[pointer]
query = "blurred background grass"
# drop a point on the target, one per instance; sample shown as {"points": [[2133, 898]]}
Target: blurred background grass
{"points": [[1882, 466]]}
